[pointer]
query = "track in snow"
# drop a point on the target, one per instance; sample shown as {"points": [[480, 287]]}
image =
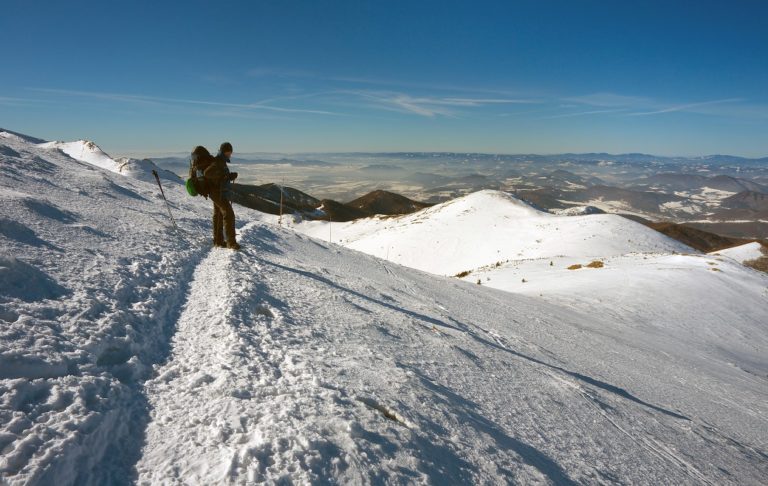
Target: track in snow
{"points": [[235, 380]]}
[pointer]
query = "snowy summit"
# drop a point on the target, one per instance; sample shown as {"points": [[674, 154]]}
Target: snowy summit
{"points": [[595, 350]]}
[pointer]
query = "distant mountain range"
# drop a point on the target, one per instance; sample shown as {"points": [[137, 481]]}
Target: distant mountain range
{"points": [[688, 182]]}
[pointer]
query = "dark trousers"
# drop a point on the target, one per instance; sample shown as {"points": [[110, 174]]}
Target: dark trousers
{"points": [[223, 219]]}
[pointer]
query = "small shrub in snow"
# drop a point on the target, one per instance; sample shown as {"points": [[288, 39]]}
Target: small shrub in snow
{"points": [[463, 274], [575, 266], [595, 264]]}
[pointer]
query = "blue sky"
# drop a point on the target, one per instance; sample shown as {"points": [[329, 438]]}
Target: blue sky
{"points": [[672, 77]]}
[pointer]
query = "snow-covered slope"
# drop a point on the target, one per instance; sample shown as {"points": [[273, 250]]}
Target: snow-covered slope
{"points": [[142, 169], [84, 151], [90, 153], [488, 227], [743, 253], [132, 354]]}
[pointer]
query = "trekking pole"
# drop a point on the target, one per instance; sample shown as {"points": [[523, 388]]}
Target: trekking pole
{"points": [[282, 188], [162, 193]]}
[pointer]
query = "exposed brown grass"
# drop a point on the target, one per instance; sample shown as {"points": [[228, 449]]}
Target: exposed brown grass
{"points": [[575, 266], [463, 274], [758, 264], [596, 264]]}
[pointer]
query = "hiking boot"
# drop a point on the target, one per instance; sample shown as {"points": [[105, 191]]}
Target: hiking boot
{"points": [[233, 246], [219, 244]]}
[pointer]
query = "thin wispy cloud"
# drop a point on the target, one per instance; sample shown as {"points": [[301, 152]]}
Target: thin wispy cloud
{"points": [[489, 101], [643, 106], [686, 107], [427, 106], [336, 101], [609, 100], [13, 101], [585, 113], [267, 71], [132, 98]]}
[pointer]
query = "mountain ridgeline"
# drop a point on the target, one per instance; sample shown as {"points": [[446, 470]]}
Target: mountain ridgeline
{"points": [[274, 199]]}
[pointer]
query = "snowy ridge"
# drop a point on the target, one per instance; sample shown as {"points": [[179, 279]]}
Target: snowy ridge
{"points": [[488, 227], [743, 253], [90, 153], [84, 151], [144, 356]]}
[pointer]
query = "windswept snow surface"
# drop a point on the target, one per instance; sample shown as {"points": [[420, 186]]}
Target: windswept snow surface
{"points": [[142, 356]]}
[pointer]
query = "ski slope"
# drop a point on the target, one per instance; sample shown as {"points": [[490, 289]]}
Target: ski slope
{"points": [[130, 354]]}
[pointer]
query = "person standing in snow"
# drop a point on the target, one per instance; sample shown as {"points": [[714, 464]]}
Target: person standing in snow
{"points": [[220, 184]]}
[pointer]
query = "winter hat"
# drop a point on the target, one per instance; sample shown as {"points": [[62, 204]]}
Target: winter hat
{"points": [[225, 147]]}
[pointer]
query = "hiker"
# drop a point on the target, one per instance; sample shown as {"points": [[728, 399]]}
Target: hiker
{"points": [[219, 180]]}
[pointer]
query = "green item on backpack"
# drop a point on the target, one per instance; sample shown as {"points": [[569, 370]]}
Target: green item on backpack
{"points": [[191, 187]]}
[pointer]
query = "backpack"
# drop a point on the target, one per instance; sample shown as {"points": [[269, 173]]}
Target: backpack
{"points": [[199, 161]]}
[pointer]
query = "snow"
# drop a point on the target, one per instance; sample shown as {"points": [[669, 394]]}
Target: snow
{"points": [[142, 169], [679, 206], [138, 355], [708, 196], [743, 253], [84, 151], [90, 153], [620, 207], [488, 227], [576, 211]]}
